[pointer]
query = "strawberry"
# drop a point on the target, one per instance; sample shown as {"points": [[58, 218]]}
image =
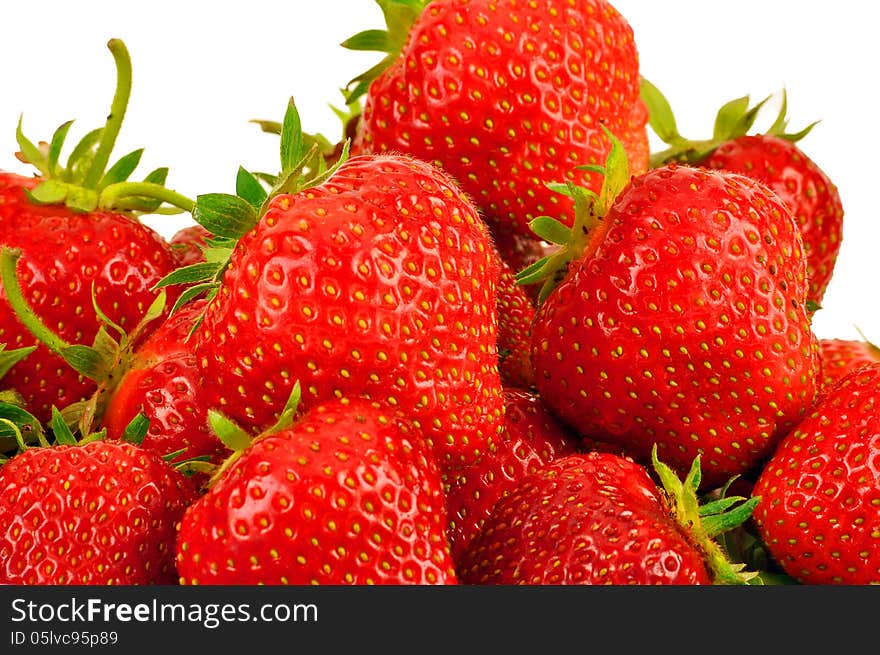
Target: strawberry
{"points": [[843, 356], [81, 246], [188, 244], [162, 381], [103, 512], [774, 158], [681, 320], [597, 518], [348, 494], [504, 96], [379, 280], [532, 437], [820, 491], [516, 311]]}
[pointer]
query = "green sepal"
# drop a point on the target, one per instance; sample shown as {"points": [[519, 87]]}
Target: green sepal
{"points": [[80, 158], [48, 192], [224, 214], [136, 429], [232, 436], [9, 358], [660, 115], [85, 360], [248, 187], [551, 230], [287, 415], [30, 153], [19, 425], [55, 146], [291, 138], [60, 430], [122, 169], [400, 15], [191, 274]]}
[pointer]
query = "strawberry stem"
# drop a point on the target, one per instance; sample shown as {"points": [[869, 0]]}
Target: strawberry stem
{"points": [[117, 113], [112, 193]]}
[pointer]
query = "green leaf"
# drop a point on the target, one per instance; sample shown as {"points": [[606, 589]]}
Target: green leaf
{"points": [[370, 41], [291, 138], [26, 424], [224, 215], [82, 155], [9, 358], [247, 186], [191, 274], [285, 419], [49, 192], [81, 199], [209, 289], [729, 118], [270, 127], [55, 147], [136, 429], [720, 523], [660, 115], [551, 230], [31, 153], [63, 434], [232, 436], [86, 361], [122, 169]]}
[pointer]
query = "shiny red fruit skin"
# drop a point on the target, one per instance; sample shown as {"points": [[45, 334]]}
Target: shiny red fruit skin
{"points": [[349, 495], [591, 518], [188, 244], [165, 384], [840, 357], [380, 282], [685, 326], [806, 189], [532, 438], [95, 514], [819, 513], [63, 254], [516, 311], [507, 96]]}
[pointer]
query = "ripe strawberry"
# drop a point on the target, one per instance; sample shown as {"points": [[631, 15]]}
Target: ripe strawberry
{"points": [[773, 158], [163, 382], [532, 437], [188, 244], [348, 494], [504, 96], [99, 513], [841, 357], [81, 245], [379, 281], [516, 311], [682, 323], [820, 491], [597, 518]]}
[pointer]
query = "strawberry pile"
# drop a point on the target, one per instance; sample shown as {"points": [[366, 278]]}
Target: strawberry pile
{"points": [[487, 338]]}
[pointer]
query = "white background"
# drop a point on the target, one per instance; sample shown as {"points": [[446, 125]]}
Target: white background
{"points": [[203, 70]]}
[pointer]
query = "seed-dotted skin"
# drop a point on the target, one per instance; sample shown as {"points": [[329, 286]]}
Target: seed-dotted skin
{"points": [[819, 512], [805, 188], [63, 254], [532, 437], [516, 311], [380, 282], [348, 495], [507, 96], [840, 357], [583, 519], [100, 513], [686, 326]]}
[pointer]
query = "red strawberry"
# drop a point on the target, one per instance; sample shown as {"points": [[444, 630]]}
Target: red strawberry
{"points": [[81, 245], [504, 96], [163, 382], [773, 158], [841, 357], [188, 244], [683, 323], [516, 311], [820, 491], [532, 437], [349, 494], [379, 281], [599, 519], [98, 513]]}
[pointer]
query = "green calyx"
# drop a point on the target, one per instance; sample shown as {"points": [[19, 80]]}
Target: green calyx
{"points": [[104, 361], [400, 15], [735, 119], [229, 217], [237, 440], [587, 230], [85, 183], [703, 523]]}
